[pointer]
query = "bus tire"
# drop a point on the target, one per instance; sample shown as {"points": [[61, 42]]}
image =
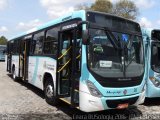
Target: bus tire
{"points": [[49, 92], [14, 74]]}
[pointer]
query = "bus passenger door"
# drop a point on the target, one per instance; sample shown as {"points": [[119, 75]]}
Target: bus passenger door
{"points": [[64, 63], [9, 57], [68, 66], [24, 55]]}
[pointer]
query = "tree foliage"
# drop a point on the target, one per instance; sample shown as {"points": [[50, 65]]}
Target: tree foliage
{"points": [[122, 8], [3, 40], [102, 6], [126, 9]]}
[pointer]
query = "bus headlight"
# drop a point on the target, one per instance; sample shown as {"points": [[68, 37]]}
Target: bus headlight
{"points": [[155, 81], [93, 90]]}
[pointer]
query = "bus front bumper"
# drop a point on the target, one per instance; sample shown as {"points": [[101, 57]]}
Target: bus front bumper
{"points": [[89, 103]]}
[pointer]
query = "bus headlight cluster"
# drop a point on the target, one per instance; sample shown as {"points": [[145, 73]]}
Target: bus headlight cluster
{"points": [[93, 90], [155, 81]]}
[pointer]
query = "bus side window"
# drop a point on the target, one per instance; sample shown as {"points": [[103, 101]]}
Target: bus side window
{"points": [[39, 43], [51, 42]]}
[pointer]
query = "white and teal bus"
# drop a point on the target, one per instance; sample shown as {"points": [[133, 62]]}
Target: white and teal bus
{"points": [[2, 52], [151, 39], [93, 61]]}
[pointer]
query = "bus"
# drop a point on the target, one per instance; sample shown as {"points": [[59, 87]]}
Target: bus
{"points": [[151, 39], [2, 52], [91, 60]]}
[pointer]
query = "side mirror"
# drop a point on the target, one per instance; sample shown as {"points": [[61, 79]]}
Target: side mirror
{"points": [[85, 37]]}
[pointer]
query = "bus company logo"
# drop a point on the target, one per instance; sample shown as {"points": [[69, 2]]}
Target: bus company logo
{"points": [[114, 92], [125, 92]]}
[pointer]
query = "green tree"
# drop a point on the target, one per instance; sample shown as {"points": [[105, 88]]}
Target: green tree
{"points": [[123, 8], [126, 9], [3, 40], [102, 6]]}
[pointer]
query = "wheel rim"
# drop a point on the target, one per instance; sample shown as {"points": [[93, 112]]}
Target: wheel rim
{"points": [[49, 91]]}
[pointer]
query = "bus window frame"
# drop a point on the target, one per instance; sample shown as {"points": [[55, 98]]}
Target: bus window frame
{"points": [[151, 62]]}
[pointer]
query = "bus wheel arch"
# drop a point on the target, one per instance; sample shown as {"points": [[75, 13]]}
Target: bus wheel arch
{"points": [[48, 88]]}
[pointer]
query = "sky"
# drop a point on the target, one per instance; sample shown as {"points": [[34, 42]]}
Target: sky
{"points": [[17, 16]]}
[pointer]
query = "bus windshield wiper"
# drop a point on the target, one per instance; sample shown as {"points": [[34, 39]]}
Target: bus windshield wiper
{"points": [[121, 54], [112, 38]]}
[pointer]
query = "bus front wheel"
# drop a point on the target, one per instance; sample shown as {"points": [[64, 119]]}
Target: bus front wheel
{"points": [[49, 92]]}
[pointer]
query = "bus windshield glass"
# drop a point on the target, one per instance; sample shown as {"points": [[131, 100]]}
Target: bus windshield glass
{"points": [[115, 53], [155, 51]]}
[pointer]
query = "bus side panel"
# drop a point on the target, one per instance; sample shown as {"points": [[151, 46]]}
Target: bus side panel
{"points": [[15, 63], [38, 66]]}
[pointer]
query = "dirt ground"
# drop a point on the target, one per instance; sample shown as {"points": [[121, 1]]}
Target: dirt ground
{"points": [[22, 101]]}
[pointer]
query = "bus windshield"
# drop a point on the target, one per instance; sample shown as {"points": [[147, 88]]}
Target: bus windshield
{"points": [[106, 60], [155, 51]]}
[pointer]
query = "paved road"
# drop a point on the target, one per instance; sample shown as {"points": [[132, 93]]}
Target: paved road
{"points": [[20, 101]]}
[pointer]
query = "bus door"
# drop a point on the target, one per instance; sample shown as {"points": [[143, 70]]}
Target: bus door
{"points": [[24, 55], [64, 63], [68, 66], [9, 56]]}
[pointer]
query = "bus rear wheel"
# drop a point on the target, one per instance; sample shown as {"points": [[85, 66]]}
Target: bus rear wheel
{"points": [[49, 92]]}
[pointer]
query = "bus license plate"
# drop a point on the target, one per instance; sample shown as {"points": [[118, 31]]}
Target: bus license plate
{"points": [[123, 106]]}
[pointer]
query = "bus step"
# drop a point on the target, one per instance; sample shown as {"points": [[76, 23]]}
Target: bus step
{"points": [[24, 80], [68, 101]]}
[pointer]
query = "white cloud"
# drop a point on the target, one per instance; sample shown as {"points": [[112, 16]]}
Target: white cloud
{"points": [[144, 4], [3, 29], [3, 4], [56, 8], [145, 22], [29, 25], [158, 22]]}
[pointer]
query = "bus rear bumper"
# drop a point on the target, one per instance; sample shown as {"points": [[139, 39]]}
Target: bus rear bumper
{"points": [[91, 103]]}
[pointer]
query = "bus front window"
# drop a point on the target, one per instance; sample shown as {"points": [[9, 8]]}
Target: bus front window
{"points": [[106, 60], [155, 51]]}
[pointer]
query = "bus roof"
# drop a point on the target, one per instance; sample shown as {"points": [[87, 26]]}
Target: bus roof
{"points": [[108, 14], [76, 14]]}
